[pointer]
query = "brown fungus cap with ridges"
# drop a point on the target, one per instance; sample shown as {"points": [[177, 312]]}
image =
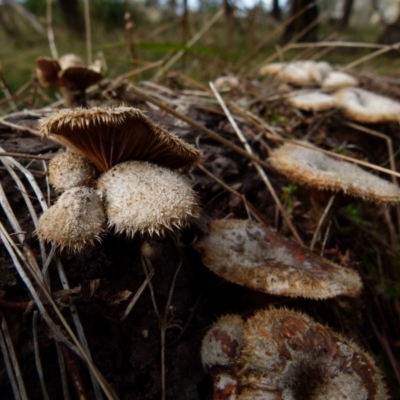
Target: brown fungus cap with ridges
{"points": [[109, 136], [316, 170], [68, 169], [46, 71], [255, 256], [286, 355], [146, 198], [74, 221]]}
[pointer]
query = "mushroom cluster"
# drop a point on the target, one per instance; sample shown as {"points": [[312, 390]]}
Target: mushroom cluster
{"points": [[69, 75], [357, 104], [283, 354], [140, 187]]}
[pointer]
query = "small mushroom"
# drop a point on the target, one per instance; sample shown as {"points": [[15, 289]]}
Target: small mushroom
{"points": [[316, 170], [367, 107], [286, 355], [251, 255], [312, 101], [220, 351], [146, 198], [69, 75], [337, 80], [226, 83], [74, 221], [68, 170], [109, 136]]}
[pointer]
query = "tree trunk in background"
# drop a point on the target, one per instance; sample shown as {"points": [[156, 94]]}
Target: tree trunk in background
{"points": [[276, 10], [304, 21], [72, 15], [347, 9]]}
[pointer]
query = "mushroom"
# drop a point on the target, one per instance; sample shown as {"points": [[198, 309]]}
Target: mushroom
{"points": [[220, 351], [255, 256], [68, 169], [312, 101], [108, 136], [286, 355], [226, 83], [337, 80], [316, 170], [69, 75], [74, 221], [146, 198], [367, 107]]}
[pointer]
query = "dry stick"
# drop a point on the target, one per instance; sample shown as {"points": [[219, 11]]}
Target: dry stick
{"points": [[261, 44], [162, 29], [321, 221], [13, 357], [139, 93], [308, 51], [17, 93], [37, 357], [20, 128], [338, 43], [88, 32], [258, 168], [6, 90], [191, 42], [370, 56], [129, 30], [23, 155], [49, 28], [63, 372]]}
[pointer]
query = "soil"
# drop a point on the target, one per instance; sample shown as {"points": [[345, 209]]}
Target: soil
{"points": [[128, 353]]}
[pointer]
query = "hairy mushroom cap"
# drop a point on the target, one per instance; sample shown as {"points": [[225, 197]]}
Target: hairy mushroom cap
{"points": [[251, 255], [68, 169], [288, 355], [75, 220], [220, 350], [145, 198], [298, 72], [46, 71], [337, 80], [316, 170], [109, 136], [312, 101], [367, 107]]}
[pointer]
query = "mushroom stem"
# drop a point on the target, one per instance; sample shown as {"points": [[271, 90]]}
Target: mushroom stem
{"points": [[73, 98]]}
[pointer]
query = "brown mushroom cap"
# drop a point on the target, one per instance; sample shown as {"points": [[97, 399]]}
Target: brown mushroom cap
{"points": [[109, 136], [145, 198], [312, 101], [314, 169], [367, 107], [46, 71], [287, 355], [68, 170], [75, 220], [251, 255], [79, 77]]}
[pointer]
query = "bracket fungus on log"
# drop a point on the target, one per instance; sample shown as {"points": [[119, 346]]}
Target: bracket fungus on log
{"points": [[316, 170], [68, 169], [251, 255], [75, 220], [146, 198], [109, 136], [366, 107]]}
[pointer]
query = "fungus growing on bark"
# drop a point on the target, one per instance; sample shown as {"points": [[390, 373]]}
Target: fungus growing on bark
{"points": [[312, 101], [69, 75], [68, 169], [220, 351], [109, 136], [251, 255], [146, 198], [367, 107], [286, 355], [74, 221], [316, 170]]}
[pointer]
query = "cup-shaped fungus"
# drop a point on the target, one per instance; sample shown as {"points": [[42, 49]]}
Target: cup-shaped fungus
{"points": [[286, 355], [68, 169], [251, 255], [109, 136], [146, 198], [367, 107], [75, 220], [220, 350], [316, 170], [69, 75]]}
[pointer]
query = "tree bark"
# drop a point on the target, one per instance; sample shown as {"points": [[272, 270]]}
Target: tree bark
{"points": [[72, 16], [347, 9], [304, 21], [276, 10]]}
